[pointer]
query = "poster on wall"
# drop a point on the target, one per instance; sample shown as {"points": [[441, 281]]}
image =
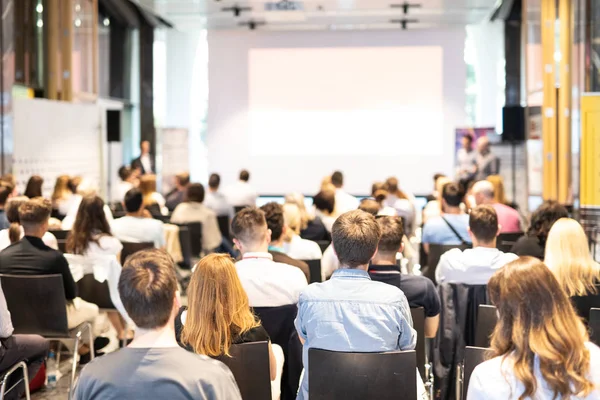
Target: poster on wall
{"points": [[474, 133], [174, 156]]}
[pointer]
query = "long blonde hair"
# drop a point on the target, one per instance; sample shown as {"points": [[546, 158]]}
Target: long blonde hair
{"points": [[218, 308], [498, 183], [568, 256], [305, 216], [293, 221], [148, 187], [61, 188], [536, 319]]}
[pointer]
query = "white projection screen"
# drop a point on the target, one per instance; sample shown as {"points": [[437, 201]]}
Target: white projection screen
{"points": [[370, 111]]}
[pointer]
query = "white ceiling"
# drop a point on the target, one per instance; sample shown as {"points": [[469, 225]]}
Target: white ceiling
{"points": [[322, 14]]}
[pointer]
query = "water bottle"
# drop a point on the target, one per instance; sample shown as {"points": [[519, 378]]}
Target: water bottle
{"points": [[51, 370]]}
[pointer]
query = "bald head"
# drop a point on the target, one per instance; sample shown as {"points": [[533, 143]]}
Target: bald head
{"points": [[483, 144], [483, 191]]}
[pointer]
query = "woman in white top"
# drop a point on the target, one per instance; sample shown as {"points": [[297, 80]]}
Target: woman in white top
{"points": [[540, 348], [294, 246], [91, 236], [12, 215]]}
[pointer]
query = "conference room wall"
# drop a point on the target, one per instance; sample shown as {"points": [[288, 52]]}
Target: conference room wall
{"points": [[228, 122]]}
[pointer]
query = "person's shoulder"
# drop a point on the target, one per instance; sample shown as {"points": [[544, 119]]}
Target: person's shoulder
{"points": [[453, 254], [386, 292], [290, 270], [418, 282]]}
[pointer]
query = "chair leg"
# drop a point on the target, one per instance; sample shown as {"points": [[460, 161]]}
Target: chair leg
{"points": [[23, 367], [78, 338], [26, 379], [459, 381]]}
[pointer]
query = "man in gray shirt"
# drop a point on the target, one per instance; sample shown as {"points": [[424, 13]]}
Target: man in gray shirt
{"points": [[487, 163], [154, 366]]}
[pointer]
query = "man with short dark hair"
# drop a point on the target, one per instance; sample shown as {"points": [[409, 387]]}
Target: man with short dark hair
{"points": [[350, 312], [419, 290], [267, 283], [136, 226], [154, 366], [241, 194], [215, 200], [450, 228], [477, 265], [343, 201], [275, 222], [176, 196]]}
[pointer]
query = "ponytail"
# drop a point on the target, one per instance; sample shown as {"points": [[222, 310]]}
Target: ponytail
{"points": [[14, 232]]}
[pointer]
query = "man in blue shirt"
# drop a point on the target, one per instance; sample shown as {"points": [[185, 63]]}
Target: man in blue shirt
{"points": [[350, 312], [450, 228]]}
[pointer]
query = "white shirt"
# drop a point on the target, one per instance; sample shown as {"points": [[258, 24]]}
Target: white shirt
{"points": [[472, 266], [387, 211], [69, 220], [495, 380], [138, 230], [241, 194], [329, 263], [302, 249], [48, 239], [120, 189], [345, 202], [217, 202], [268, 283], [145, 160], [187, 212]]}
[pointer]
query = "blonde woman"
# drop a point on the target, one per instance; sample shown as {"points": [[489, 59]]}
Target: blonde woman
{"points": [[219, 315], [568, 256], [294, 246], [61, 196], [312, 228], [540, 348], [154, 201]]}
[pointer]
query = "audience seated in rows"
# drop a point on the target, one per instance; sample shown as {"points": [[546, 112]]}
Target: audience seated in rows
{"points": [[433, 208], [534, 242], [449, 228], [508, 218], [241, 194], [540, 347], [12, 215], [176, 196], [267, 283], [350, 312], [219, 316], [275, 222], [5, 194], [293, 244], [32, 349], [127, 182], [61, 196], [192, 210], [34, 187], [419, 290], [568, 257], [80, 187], [137, 226], [30, 256], [154, 202], [154, 366], [344, 202], [324, 203], [311, 227], [216, 200], [477, 265], [380, 194]]}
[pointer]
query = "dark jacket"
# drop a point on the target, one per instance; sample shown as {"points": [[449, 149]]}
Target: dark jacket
{"points": [[137, 163]]}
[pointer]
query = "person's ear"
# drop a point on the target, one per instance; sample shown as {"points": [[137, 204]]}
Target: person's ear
{"points": [[470, 233], [401, 249], [268, 235], [177, 301], [237, 244], [499, 230]]}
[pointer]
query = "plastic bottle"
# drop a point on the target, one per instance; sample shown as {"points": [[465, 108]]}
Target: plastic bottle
{"points": [[51, 370]]}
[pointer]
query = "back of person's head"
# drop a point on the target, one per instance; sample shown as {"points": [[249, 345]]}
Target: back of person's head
{"points": [[568, 256], [35, 213], [244, 175], [544, 217], [292, 218], [90, 222], [133, 201], [74, 183], [125, 173], [325, 201], [275, 221], [393, 187], [249, 226], [61, 188], [498, 183], [12, 215], [183, 179], [9, 178], [5, 192], [483, 192], [148, 184], [195, 193], [148, 288], [440, 183], [483, 223], [218, 310], [214, 181], [537, 323], [297, 198], [392, 232], [337, 179], [355, 236], [379, 191], [34, 187], [369, 206], [452, 194]]}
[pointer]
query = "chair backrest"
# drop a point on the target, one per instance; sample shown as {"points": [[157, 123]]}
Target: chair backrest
{"points": [[37, 304], [583, 304], [323, 245], [224, 225], [315, 270], [348, 376], [195, 229], [60, 234], [249, 364], [130, 247], [418, 317], [594, 325], [473, 357], [237, 209], [90, 290], [186, 246], [62, 245], [505, 241], [434, 255], [486, 322]]}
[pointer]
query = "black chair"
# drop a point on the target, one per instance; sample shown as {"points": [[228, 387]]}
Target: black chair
{"points": [[594, 325], [22, 366], [37, 306], [315, 270], [435, 253], [56, 214], [418, 319], [583, 304], [249, 364], [186, 247], [473, 357], [130, 247], [195, 229], [60, 234], [237, 209], [224, 226], [486, 322], [62, 245], [505, 241], [354, 376], [92, 291], [323, 245]]}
